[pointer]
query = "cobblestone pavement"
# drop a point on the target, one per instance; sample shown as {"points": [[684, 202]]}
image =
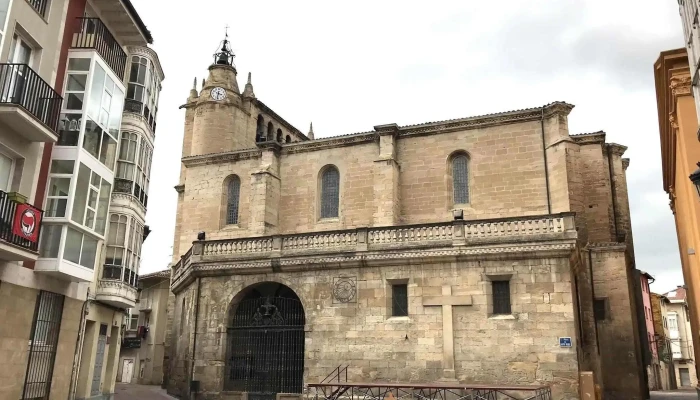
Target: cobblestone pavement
{"points": [[674, 395], [126, 391]]}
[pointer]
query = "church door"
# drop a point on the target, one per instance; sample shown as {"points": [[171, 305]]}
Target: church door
{"points": [[266, 345]]}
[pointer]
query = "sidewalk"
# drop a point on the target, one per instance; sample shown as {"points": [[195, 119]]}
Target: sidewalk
{"points": [[674, 395], [127, 391]]}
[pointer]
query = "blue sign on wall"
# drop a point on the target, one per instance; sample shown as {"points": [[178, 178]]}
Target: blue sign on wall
{"points": [[564, 342]]}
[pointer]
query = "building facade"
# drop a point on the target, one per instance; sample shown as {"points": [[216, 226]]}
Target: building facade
{"points": [[492, 249], [688, 10], [40, 315], [143, 345], [648, 333], [62, 154], [679, 330], [659, 306], [680, 151]]}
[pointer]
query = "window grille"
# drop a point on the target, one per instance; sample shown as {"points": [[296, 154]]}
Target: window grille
{"points": [[460, 180], [234, 192], [330, 193], [501, 297], [399, 300]]}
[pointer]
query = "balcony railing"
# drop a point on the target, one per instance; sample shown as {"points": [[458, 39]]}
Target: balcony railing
{"points": [[137, 107], [546, 228], [39, 6], [20, 85], [93, 34], [127, 186], [8, 211]]}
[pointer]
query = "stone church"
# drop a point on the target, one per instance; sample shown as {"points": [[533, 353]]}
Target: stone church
{"points": [[492, 249]]}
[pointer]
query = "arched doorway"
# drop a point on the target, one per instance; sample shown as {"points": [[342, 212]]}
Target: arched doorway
{"points": [[265, 345]]}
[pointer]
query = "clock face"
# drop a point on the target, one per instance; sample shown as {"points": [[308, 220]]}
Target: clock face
{"points": [[218, 93]]}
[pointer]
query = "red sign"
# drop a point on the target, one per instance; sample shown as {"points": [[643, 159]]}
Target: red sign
{"points": [[27, 221]]}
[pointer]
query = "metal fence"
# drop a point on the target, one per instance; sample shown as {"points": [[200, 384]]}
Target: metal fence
{"points": [[42, 345], [8, 209]]}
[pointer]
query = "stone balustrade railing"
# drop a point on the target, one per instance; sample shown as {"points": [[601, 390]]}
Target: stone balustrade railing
{"points": [[440, 235], [368, 239]]}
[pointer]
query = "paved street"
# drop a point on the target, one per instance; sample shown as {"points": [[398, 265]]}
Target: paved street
{"points": [[125, 391], [674, 395]]}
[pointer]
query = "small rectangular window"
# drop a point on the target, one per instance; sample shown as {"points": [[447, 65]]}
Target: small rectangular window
{"points": [[600, 309], [501, 297], [399, 300]]}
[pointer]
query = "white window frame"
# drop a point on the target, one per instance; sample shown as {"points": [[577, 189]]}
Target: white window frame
{"points": [[71, 188], [17, 41], [12, 170]]}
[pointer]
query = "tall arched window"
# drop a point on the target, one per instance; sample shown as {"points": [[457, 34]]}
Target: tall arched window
{"points": [[460, 178], [330, 192], [233, 194], [260, 130], [279, 135], [270, 131], [288, 139]]}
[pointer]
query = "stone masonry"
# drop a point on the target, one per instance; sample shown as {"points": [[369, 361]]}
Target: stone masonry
{"points": [[547, 212]]}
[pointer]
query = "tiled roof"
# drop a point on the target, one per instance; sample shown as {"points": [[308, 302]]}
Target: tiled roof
{"points": [[164, 274], [678, 294]]}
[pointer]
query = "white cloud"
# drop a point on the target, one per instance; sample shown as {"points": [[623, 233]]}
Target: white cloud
{"points": [[350, 66]]}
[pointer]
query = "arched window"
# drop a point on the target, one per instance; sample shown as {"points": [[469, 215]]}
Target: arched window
{"points": [[330, 192], [279, 135], [260, 130], [288, 139], [233, 194], [460, 178], [270, 131]]}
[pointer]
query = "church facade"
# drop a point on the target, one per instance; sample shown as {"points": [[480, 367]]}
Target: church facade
{"points": [[493, 249]]}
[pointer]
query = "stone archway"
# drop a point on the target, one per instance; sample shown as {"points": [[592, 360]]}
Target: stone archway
{"points": [[265, 342]]}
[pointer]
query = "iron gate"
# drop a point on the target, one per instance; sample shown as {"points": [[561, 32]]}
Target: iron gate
{"points": [[42, 345], [266, 347]]}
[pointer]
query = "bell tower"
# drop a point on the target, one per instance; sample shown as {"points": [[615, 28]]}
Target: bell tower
{"points": [[220, 114]]}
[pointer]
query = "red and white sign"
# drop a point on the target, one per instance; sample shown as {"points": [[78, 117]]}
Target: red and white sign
{"points": [[27, 222]]}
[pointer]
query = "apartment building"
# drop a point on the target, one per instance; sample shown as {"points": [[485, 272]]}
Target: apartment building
{"points": [[141, 358], [680, 337], [688, 10], [659, 306], [78, 105]]}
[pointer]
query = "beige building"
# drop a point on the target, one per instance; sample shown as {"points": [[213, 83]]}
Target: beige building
{"points": [[492, 249], [141, 357], [681, 338], [667, 370]]}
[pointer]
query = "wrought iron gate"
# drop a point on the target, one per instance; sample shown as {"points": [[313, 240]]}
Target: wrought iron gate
{"points": [[99, 361], [42, 345], [266, 347]]}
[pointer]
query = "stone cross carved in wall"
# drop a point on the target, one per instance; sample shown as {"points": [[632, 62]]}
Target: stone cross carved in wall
{"points": [[447, 301]]}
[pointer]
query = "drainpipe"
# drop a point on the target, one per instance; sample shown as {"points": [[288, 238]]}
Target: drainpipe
{"points": [[613, 193], [78, 353], [546, 166], [196, 320]]}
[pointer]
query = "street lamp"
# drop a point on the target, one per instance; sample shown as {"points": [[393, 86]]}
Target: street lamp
{"points": [[695, 178]]}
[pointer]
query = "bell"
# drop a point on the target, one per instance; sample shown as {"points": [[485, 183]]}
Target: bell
{"points": [[223, 59]]}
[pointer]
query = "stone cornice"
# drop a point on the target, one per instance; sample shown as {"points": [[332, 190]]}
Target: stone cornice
{"points": [[589, 138], [319, 144], [606, 247], [616, 149], [215, 158], [680, 85]]}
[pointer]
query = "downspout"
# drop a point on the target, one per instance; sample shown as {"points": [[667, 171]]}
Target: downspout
{"points": [[196, 320], [613, 193], [595, 322], [78, 353], [546, 165]]}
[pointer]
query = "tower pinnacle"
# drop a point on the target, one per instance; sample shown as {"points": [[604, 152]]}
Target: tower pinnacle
{"points": [[248, 90], [310, 135]]}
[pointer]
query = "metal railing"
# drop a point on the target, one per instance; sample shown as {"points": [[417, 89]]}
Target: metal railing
{"points": [[20, 85], [93, 34], [426, 391], [39, 6], [8, 210]]}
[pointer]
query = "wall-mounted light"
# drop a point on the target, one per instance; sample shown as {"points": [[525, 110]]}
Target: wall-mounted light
{"points": [[201, 235]]}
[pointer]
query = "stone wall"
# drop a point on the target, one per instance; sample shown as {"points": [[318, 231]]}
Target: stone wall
{"points": [[17, 305], [519, 348]]}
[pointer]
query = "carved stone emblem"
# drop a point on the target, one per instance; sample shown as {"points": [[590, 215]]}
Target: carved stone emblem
{"points": [[345, 289]]}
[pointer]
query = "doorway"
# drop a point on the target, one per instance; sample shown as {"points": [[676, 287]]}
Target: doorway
{"points": [[127, 370], [685, 376]]}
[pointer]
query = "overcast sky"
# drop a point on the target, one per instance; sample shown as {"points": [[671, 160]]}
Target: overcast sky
{"points": [[352, 65]]}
